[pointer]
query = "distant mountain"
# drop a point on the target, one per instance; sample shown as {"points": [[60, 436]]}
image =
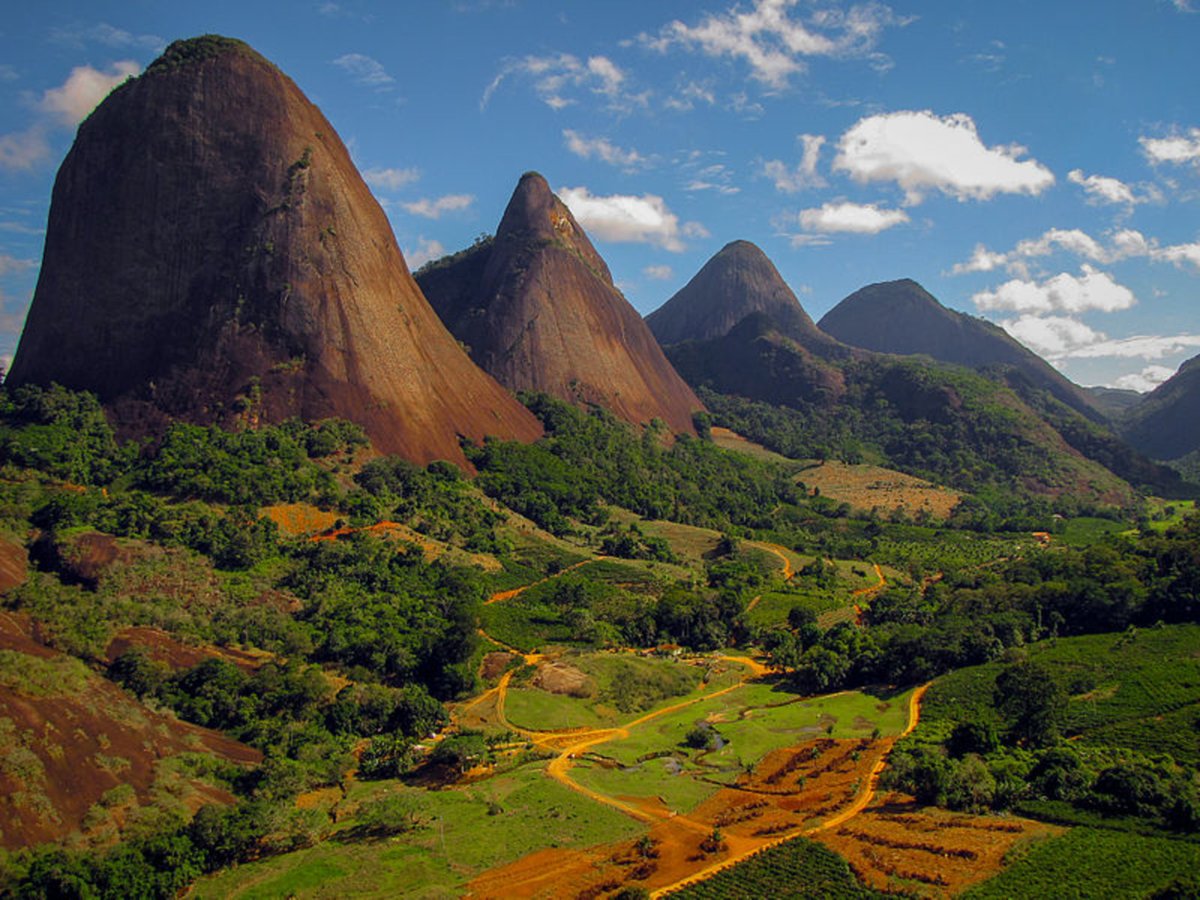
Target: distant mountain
{"points": [[537, 308], [738, 281], [1166, 423], [902, 317], [213, 255], [1114, 402], [934, 419]]}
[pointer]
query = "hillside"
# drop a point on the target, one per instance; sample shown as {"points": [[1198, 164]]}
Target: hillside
{"points": [[537, 308], [244, 272], [901, 317], [1166, 423]]}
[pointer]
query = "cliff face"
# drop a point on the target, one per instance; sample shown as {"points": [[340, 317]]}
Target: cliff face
{"points": [[213, 254], [538, 310]]}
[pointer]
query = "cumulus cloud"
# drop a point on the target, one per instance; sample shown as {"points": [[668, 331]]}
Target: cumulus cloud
{"points": [[556, 76], [602, 149], [425, 251], [1178, 148], [83, 90], [1144, 381], [659, 273], [365, 71], [624, 218], [804, 175], [390, 179], [772, 42], [1093, 290], [435, 209], [923, 152], [1125, 243], [66, 106], [1101, 189], [850, 218], [1054, 337]]}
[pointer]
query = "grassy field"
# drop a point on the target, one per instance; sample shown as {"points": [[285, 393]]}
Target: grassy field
{"points": [[1140, 691], [464, 831], [886, 491], [1117, 865], [731, 440], [1086, 530], [757, 718]]}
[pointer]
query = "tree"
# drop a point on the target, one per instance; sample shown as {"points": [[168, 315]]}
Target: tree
{"points": [[1031, 702]]}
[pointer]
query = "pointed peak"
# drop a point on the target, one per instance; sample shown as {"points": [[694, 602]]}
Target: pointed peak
{"points": [[739, 280], [535, 214]]}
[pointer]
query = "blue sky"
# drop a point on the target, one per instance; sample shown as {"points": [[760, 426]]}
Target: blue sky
{"points": [[1037, 163]]}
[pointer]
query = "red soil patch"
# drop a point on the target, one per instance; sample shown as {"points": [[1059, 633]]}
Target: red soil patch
{"points": [[494, 664], [790, 792], [63, 751], [162, 647], [14, 565], [895, 840], [299, 519]]}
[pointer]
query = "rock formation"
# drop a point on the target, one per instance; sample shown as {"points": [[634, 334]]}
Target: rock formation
{"points": [[537, 308], [213, 255]]}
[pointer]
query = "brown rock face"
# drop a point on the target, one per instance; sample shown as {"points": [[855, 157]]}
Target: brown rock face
{"points": [[213, 255], [538, 310]]}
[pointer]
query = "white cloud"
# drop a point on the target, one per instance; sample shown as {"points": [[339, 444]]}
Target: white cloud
{"points": [[556, 76], [1142, 346], [10, 265], [1054, 337], [851, 218], [659, 273], [1144, 381], [715, 177], [23, 150], [425, 251], [623, 218], [83, 90], [982, 260], [366, 71], [772, 42], [390, 179], [1093, 290], [108, 35], [921, 151], [689, 95], [1178, 148], [804, 175], [1101, 189], [434, 209], [1126, 243], [603, 149]]}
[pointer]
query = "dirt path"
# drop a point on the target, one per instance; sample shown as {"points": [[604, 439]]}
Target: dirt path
{"points": [[508, 595], [860, 802], [781, 552], [873, 589]]}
